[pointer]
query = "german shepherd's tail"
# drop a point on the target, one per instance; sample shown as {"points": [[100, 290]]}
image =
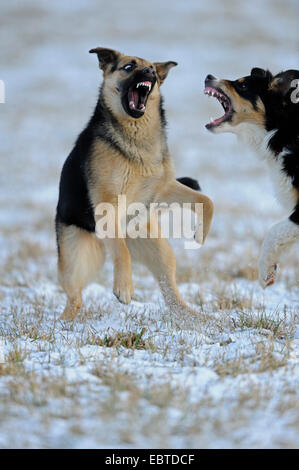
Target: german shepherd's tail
{"points": [[190, 182]]}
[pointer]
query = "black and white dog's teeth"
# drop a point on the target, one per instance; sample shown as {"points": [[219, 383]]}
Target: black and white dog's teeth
{"points": [[215, 93], [219, 96], [212, 93]]}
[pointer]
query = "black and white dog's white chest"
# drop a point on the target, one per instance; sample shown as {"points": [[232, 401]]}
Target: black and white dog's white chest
{"points": [[283, 167], [283, 179], [283, 170]]}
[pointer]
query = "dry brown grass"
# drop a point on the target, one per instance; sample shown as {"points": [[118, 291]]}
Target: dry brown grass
{"points": [[278, 328], [265, 361], [13, 364], [125, 339]]}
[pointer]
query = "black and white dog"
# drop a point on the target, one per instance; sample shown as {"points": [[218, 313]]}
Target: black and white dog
{"points": [[264, 111]]}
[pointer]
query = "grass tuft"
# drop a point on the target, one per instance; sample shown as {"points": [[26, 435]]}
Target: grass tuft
{"points": [[127, 339]]}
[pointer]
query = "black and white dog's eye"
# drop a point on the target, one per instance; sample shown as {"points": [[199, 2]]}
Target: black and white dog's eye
{"points": [[243, 86], [128, 67]]}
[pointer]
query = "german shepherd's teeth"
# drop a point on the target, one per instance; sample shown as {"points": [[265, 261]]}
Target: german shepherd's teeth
{"points": [[144, 84]]}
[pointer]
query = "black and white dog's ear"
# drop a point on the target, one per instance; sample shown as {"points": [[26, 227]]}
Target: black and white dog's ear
{"points": [[257, 72], [261, 73], [283, 82], [105, 56]]}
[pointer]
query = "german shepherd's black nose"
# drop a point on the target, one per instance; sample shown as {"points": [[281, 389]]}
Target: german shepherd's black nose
{"points": [[210, 77], [148, 71]]}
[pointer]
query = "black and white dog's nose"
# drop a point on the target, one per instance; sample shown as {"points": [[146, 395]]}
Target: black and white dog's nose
{"points": [[210, 77]]}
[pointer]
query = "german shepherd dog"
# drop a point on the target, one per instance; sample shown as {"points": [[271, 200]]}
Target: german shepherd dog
{"points": [[122, 151], [264, 111]]}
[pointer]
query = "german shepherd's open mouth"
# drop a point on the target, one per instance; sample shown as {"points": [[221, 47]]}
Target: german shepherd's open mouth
{"points": [[226, 103], [136, 94]]}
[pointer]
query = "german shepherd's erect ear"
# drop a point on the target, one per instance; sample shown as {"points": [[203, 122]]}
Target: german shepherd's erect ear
{"points": [[105, 56], [163, 68]]}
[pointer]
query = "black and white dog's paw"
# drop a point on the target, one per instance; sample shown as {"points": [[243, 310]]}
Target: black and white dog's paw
{"points": [[267, 273]]}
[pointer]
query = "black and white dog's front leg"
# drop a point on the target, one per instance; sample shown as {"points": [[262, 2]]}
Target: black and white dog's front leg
{"points": [[279, 237]]}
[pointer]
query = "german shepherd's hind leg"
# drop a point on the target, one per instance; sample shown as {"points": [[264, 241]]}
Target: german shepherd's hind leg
{"points": [[80, 256], [157, 255]]}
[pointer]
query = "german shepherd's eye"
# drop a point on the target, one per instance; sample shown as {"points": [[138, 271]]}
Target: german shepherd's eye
{"points": [[128, 67]]}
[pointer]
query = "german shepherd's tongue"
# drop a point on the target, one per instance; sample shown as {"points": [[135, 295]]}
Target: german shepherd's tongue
{"points": [[133, 99]]}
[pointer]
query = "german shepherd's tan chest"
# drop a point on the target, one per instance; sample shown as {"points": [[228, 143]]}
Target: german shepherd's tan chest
{"points": [[111, 175]]}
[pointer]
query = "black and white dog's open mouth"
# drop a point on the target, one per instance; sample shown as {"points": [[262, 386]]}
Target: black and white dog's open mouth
{"points": [[138, 95], [224, 101]]}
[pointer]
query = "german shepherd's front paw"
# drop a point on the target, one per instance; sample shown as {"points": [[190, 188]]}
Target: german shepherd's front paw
{"points": [[123, 290]]}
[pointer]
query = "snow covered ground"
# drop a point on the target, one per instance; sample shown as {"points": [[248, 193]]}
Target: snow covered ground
{"points": [[128, 376]]}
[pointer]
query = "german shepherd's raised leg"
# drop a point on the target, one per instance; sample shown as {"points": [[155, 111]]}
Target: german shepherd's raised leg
{"points": [[177, 192], [80, 256]]}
